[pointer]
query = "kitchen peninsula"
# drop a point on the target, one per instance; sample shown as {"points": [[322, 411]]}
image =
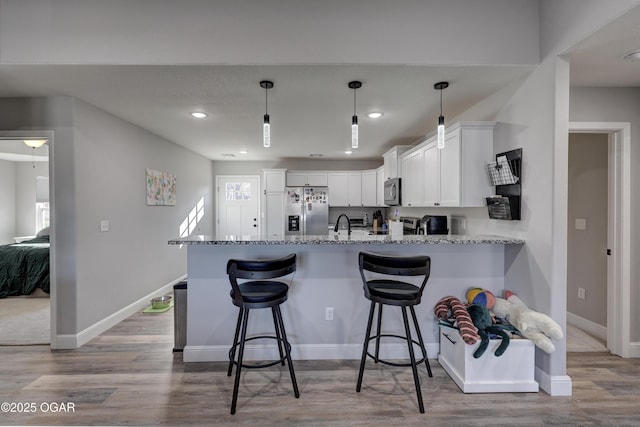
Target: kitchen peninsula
{"points": [[326, 312]]}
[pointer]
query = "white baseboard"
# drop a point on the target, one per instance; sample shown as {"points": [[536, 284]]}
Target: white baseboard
{"points": [[218, 353], [587, 325], [634, 349], [73, 341], [558, 385]]}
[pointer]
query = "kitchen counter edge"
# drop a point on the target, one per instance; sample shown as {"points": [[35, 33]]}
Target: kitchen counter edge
{"points": [[348, 240]]}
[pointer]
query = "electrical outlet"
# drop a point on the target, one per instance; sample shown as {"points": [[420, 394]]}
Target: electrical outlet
{"points": [[104, 225], [328, 313], [581, 293]]}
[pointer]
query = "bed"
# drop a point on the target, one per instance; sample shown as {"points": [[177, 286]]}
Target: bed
{"points": [[24, 267]]}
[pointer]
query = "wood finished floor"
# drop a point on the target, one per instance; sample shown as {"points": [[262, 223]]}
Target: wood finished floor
{"points": [[129, 376]]}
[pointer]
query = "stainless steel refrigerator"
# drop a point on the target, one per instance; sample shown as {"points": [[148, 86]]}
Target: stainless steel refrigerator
{"points": [[306, 210]]}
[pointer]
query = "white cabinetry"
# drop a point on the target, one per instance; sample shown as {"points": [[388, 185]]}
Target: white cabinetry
{"points": [[412, 179], [338, 193], [453, 176], [392, 161], [369, 187], [304, 178], [380, 186], [273, 213], [352, 188], [274, 180]]}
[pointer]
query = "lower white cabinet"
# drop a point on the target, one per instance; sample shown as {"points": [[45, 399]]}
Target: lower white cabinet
{"points": [[512, 372]]}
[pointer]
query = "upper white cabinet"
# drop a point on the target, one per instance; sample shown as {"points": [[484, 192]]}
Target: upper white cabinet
{"points": [[304, 178], [455, 175], [274, 179], [412, 179], [392, 161], [380, 186], [338, 188], [352, 188], [369, 188]]}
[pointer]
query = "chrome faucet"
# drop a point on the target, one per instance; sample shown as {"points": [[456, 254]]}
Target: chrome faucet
{"points": [[338, 223]]}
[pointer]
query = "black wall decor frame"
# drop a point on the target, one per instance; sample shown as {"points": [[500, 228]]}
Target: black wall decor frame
{"points": [[507, 178]]}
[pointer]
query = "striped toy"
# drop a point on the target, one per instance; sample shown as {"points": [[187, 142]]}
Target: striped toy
{"points": [[460, 313]]}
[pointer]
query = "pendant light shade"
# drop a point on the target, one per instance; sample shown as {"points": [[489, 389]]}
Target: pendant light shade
{"points": [[354, 119], [266, 125], [441, 86]]}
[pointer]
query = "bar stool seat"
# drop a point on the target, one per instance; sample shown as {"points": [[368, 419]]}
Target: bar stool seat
{"points": [[256, 293], [381, 289]]}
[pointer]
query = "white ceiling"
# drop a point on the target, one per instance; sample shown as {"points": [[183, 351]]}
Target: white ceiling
{"points": [[14, 150], [310, 105]]}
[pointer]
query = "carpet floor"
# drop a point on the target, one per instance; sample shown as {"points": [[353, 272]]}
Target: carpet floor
{"points": [[24, 321]]}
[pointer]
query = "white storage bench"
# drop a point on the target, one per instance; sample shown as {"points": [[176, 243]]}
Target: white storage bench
{"points": [[511, 372]]}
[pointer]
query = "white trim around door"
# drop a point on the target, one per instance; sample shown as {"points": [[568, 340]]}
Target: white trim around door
{"points": [[619, 272]]}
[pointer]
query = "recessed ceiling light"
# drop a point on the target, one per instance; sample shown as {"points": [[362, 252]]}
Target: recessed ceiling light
{"points": [[243, 151], [348, 152], [375, 115], [633, 56], [198, 114]]}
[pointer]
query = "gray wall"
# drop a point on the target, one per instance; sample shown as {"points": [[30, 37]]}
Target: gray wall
{"points": [[586, 257], [7, 202], [618, 105], [133, 258], [26, 195], [98, 172], [18, 197]]}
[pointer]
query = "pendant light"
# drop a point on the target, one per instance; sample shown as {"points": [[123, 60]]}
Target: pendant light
{"points": [[266, 126], [354, 119], [440, 86]]}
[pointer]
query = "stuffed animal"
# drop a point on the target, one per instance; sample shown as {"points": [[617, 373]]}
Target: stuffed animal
{"points": [[483, 321], [460, 314], [538, 327]]}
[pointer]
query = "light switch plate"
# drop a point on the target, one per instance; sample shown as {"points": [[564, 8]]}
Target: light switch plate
{"points": [[104, 225], [581, 223]]}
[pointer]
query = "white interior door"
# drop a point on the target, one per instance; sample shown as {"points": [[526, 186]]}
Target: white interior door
{"points": [[238, 205]]}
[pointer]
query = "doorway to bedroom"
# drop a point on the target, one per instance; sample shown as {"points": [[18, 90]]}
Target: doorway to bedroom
{"points": [[25, 314]]}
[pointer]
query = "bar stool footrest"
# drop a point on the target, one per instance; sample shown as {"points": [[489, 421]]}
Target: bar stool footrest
{"points": [[386, 362], [265, 364]]}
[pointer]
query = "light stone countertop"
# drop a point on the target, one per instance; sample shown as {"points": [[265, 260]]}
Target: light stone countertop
{"points": [[344, 239]]}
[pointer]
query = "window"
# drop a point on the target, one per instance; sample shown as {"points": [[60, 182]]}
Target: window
{"points": [[238, 191], [42, 215]]}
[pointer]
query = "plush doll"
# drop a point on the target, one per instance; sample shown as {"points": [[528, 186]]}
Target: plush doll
{"points": [[483, 321], [460, 314], [538, 327]]}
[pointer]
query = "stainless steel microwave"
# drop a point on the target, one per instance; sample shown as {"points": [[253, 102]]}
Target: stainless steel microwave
{"points": [[392, 192]]}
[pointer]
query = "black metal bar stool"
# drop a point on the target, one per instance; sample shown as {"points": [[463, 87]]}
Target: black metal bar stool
{"points": [[382, 290], [259, 292]]}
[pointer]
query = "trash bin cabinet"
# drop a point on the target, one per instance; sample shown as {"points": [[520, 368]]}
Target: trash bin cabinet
{"points": [[180, 315]]}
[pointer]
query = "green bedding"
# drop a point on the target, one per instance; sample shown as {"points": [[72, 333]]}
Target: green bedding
{"points": [[24, 267]]}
